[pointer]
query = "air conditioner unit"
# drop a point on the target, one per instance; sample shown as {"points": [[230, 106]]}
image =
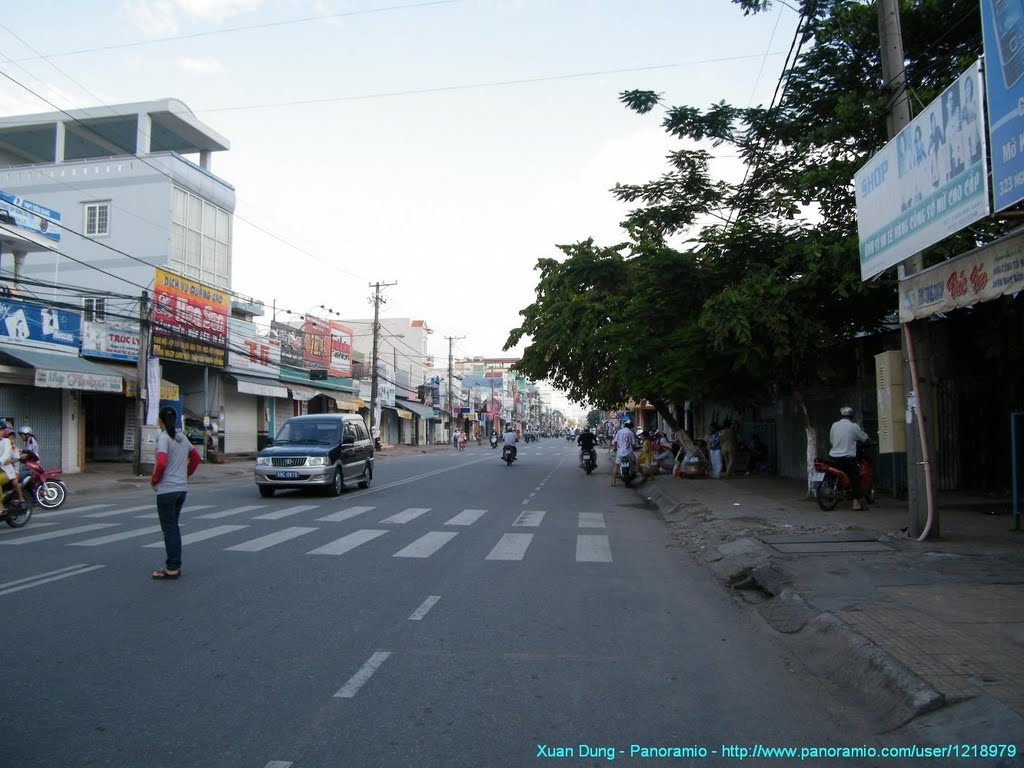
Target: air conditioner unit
{"points": [[892, 424]]}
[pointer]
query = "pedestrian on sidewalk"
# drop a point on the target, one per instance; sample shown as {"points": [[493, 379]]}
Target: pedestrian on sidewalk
{"points": [[176, 460], [715, 447], [844, 436], [730, 446]]}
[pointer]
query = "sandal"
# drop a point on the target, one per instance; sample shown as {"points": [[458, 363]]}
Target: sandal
{"points": [[164, 574]]}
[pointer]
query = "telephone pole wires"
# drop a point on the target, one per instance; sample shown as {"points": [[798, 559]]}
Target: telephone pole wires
{"points": [[377, 300], [451, 396]]}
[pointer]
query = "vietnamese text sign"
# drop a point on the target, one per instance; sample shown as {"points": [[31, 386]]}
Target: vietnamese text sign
{"points": [[37, 325], [111, 342], [984, 274], [190, 320], [249, 350], [31, 216], [316, 351], [90, 382], [1002, 25], [341, 350], [927, 183], [292, 343]]}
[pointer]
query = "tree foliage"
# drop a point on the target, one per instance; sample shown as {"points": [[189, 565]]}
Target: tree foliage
{"points": [[765, 296]]}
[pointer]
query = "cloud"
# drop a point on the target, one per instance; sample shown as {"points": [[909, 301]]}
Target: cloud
{"points": [[201, 65], [160, 18], [216, 10]]}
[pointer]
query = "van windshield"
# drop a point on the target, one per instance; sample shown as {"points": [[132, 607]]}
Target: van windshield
{"points": [[309, 433]]}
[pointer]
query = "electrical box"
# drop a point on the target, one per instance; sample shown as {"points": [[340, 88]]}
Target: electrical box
{"points": [[892, 425]]}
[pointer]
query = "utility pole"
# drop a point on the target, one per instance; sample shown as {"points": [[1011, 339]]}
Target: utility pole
{"points": [[377, 299], [140, 387], [914, 340], [451, 398]]}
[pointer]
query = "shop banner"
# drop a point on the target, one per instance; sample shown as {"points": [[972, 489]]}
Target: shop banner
{"points": [[341, 350], [31, 216], [37, 325], [986, 273], [89, 382], [110, 342], [1002, 25], [190, 320], [316, 350], [249, 350], [292, 342], [929, 182]]}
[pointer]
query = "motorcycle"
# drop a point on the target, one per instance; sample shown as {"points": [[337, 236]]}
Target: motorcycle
{"points": [[589, 460], [627, 468], [832, 485], [16, 514], [494, 441], [508, 454], [45, 487]]}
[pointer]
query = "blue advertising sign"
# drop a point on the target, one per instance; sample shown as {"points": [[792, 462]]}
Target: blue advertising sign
{"points": [[29, 215], [1002, 24], [37, 325]]}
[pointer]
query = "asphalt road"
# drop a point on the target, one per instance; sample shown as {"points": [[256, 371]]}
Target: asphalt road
{"points": [[457, 613]]}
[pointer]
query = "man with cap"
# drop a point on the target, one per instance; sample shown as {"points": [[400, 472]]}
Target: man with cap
{"points": [[844, 436]]}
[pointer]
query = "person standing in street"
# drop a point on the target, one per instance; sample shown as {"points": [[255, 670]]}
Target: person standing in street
{"points": [[176, 460], [715, 447], [625, 444], [843, 437]]}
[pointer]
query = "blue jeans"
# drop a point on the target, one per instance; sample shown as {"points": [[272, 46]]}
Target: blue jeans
{"points": [[168, 507]]}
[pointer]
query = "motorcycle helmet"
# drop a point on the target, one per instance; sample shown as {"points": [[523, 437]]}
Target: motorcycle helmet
{"points": [[26, 430], [6, 431], [846, 410]]}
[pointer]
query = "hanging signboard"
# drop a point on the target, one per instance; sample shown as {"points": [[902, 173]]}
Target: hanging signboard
{"points": [[292, 343], [190, 320], [1002, 26], [110, 342], [40, 326], [341, 350], [250, 350], [31, 216], [316, 351]]}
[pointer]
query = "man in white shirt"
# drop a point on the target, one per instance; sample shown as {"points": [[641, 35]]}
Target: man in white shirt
{"points": [[511, 438], [625, 444], [8, 456], [844, 436]]}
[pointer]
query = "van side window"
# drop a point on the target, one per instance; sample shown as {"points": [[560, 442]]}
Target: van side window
{"points": [[361, 433], [349, 431]]}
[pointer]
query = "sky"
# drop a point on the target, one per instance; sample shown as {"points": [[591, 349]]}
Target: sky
{"points": [[444, 146]]}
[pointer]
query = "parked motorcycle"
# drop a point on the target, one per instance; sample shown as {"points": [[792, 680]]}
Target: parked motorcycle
{"points": [[45, 487], [832, 485], [589, 460], [16, 514], [627, 468], [508, 454]]}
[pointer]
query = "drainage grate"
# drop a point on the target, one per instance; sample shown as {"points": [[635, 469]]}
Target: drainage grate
{"points": [[825, 543]]}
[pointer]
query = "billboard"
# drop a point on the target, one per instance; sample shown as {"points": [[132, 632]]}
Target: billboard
{"points": [[341, 351], [190, 320], [32, 216], [250, 350], [929, 182], [316, 350], [110, 341], [1002, 25], [292, 342], [40, 326]]}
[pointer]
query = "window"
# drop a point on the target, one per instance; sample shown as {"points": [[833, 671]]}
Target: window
{"points": [[200, 239], [97, 219], [95, 309]]}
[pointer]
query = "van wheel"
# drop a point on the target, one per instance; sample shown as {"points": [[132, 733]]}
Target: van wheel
{"points": [[266, 491], [337, 483], [367, 476]]}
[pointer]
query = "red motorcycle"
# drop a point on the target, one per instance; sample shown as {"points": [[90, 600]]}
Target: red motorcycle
{"points": [[832, 485], [44, 485]]}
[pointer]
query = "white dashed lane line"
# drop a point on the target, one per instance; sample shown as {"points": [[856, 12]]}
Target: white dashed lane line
{"points": [[358, 680]]}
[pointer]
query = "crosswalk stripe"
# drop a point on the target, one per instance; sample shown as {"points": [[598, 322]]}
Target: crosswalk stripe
{"points": [[75, 570], [427, 544], [345, 514], [58, 534], [406, 515], [591, 520], [92, 506], [592, 548], [257, 545], [116, 537], [345, 543], [229, 512], [529, 519], [209, 533], [286, 512], [188, 508], [467, 517], [14, 531], [127, 510], [511, 546]]}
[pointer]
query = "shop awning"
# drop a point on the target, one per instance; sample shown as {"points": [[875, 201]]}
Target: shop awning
{"points": [[256, 385], [401, 412], [58, 371], [347, 403], [303, 394], [130, 373], [423, 411]]}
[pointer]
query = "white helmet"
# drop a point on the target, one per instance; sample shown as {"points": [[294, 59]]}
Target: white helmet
{"points": [[846, 411], [26, 430]]}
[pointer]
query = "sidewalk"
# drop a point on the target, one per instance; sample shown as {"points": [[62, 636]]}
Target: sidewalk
{"points": [[929, 624]]}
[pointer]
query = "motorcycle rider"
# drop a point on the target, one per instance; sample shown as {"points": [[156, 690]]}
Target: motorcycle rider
{"points": [[625, 443], [511, 438], [8, 472], [30, 444], [843, 437], [494, 439], [586, 441]]}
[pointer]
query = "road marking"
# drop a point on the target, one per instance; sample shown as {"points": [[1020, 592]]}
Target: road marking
{"points": [[591, 520], [592, 548], [58, 534], [425, 606], [113, 512], [345, 543], [529, 519], [209, 533], [345, 514], [427, 544], [511, 546], [14, 531], [406, 515], [116, 537], [358, 680], [278, 764], [263, 542], [91, 506], [467, 517], [46, 578], [229, 512], [286, 512]]}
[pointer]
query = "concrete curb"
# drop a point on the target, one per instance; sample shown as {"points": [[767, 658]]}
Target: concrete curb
{"points": [[833, 649]]}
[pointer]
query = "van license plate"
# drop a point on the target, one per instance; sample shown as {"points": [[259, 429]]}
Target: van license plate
{"points": [[817, 477], [287, 475]]}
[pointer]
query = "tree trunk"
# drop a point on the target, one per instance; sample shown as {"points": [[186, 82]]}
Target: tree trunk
{"points": [[666, 413], [812, 441]]}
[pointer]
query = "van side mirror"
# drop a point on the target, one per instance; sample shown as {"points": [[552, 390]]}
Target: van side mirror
{"points": [[270, 441]]}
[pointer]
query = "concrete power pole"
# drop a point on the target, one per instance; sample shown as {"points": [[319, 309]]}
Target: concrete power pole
{"points": [[915, 347], [451, 398], [141, 393], [377, 299]]}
